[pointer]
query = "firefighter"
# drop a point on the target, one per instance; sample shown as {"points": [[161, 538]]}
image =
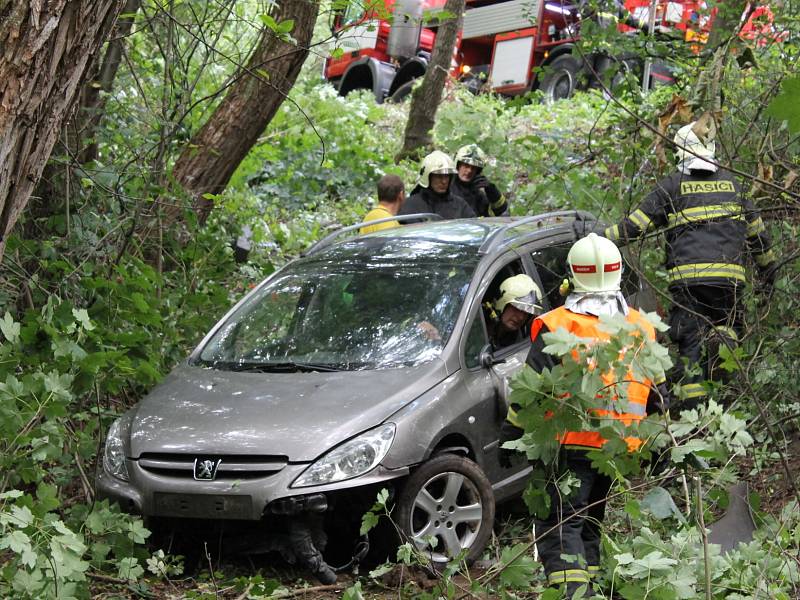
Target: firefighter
{"points": [[569, 543], [473, 187], [512, 311], [432, 192], [710, 228], [391, 194]]}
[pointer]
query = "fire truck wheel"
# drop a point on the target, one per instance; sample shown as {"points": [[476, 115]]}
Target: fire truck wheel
{"points": [[561, 78], [402, 93]]}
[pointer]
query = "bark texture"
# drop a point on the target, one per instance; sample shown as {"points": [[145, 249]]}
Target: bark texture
{"points": [[208, 161], [426, 98], [46, 51]]}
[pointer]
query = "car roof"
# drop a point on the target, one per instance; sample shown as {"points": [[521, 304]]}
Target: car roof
{"points": [[485, 235]]}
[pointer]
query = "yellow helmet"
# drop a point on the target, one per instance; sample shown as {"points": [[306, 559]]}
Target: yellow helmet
{"points": [[437, 162], [519, 291], [471, 154], [595, 264]]}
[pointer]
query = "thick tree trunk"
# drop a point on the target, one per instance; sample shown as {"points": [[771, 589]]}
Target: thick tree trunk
{"points": [[426, 98], [46, 51], [208, 161]]}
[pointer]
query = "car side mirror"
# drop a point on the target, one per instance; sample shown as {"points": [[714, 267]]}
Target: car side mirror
{"points": [[487, 359]]}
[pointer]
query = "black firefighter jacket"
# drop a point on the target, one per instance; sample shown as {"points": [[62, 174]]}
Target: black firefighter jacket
{"points": [[709, 228], [447, 206]]}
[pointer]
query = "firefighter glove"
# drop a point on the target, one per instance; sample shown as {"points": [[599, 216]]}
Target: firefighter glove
{"points": [[659, 400]]}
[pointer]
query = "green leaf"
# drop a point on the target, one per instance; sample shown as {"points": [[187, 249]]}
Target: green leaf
{"points": [[129, 568], [9, 328], [353, 592], [82, 317], [785, 106], [518, 568], [286, 26], [368, 521], [660, 504]]}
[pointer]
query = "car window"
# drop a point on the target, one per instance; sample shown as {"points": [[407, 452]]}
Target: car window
{"points": [[476, 340], [499, 338], [362, 312], [551, 266]]}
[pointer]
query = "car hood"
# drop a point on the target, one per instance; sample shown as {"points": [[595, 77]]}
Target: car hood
{"points": [[201, 411]]}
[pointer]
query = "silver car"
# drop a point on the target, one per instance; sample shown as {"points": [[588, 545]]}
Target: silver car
{"points": [[365, 364]]}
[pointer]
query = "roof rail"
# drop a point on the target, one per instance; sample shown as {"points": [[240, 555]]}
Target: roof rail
{"points": [[329, 239], [497, 237]]}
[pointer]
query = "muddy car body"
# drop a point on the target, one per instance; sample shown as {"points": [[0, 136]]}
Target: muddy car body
{"points": [[366, 364]]}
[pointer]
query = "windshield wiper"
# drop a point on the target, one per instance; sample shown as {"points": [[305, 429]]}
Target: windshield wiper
{"points": [[279, 367]]}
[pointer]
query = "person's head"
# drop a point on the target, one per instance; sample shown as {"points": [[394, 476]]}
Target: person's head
{"points": [[518, 300], [436, 172], [391, 192], [470, 160], [695, 146], [595, 264]]}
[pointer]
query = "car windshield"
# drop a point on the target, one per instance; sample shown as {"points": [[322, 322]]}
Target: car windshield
{"points": [[377, 304]]}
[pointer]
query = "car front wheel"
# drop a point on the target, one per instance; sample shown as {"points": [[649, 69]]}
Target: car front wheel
{"points": [[450, 500]]}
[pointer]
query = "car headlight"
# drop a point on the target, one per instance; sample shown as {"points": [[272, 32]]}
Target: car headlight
{"points": [[351, 459], [114, 453]]}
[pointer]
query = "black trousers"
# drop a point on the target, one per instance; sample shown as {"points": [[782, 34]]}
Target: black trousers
{"points": [[698, 342], [573, 526]]}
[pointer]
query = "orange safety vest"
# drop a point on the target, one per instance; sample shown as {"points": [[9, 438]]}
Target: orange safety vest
{"points": [[638, 391]]}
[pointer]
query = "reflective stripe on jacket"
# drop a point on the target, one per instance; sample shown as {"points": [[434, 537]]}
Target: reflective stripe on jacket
{"points": [[710, 227], [638, 391]]}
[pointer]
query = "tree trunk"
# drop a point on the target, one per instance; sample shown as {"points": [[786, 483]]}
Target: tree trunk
{"points": [[209, 160], [46, 51], [426, 98]]}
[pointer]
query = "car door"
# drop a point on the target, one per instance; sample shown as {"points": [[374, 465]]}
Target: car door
{"points": [[488, 383]]}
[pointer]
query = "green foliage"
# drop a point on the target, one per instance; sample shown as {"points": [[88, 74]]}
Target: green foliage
{"points": [[784, 105]]}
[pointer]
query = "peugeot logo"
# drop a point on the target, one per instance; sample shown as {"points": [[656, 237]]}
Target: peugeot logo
{"points": [[205, 469]]}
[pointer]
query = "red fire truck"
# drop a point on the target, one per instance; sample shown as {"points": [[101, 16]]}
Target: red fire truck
{"points": [[385, 46]]}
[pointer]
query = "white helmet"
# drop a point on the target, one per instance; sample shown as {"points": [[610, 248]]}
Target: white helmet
{"points": [[437, 162], [695, 143], [596, 264], [519, 291]]}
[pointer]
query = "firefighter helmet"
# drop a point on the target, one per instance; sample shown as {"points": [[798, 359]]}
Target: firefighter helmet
{"points": [[436, 163], [694, 148], [471, 154], [519, 291], [595, 264]]}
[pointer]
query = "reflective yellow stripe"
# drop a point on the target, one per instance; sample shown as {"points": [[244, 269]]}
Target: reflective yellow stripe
{"points": [[727, 331], [612, 233], [755, 227], [705, 213], [661, 379], [701, 270], [512, 417], [762, 260], [693, 390], [499, 202], [641, 220], [568, 576], [594, 570]]}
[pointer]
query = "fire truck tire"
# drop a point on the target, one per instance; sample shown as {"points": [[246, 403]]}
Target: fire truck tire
{"points": [[561, 78], [402, 93]]}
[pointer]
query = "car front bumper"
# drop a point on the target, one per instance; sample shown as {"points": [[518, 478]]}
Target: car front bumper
{"points": [[152, 495]]}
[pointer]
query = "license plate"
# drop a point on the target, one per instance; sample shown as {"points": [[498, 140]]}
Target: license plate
{"points": [[203, 506]]}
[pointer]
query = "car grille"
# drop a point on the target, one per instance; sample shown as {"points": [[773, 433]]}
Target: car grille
{"points": [[230, 467]]}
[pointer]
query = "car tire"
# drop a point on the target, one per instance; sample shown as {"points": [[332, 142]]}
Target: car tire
{"points": [[561, 78], [451, 499]]}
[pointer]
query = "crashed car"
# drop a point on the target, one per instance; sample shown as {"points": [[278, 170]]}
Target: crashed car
{"points": [[364, 365]]}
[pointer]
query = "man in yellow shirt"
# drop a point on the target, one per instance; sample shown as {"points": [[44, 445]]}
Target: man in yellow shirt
{"points": [[391, 194]]}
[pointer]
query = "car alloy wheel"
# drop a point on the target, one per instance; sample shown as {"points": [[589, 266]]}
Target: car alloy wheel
{"points": [[449, 499]]}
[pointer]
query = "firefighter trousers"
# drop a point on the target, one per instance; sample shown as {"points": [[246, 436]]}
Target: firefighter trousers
{"points": [[694, 306], [573, 525]]}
